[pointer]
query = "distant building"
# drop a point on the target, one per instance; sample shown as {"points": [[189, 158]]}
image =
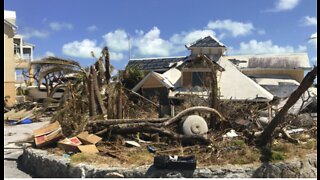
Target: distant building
{"points": [[259, 78], [17, 57]]}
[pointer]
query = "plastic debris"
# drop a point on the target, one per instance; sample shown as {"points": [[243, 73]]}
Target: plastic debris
{"points": [[132, 143], [151, 149], [48, 134], [25, 121], [175, 162], [230, 134], [291, 131]]}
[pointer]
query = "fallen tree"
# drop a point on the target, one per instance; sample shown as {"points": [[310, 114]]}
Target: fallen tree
{"points": [[160, 125], [279, 119]]}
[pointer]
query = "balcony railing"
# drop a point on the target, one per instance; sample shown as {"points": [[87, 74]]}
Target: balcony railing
{"points": [[25, 57]]}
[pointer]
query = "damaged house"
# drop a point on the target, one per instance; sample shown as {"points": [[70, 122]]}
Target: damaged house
{"points": [[257, 78]]}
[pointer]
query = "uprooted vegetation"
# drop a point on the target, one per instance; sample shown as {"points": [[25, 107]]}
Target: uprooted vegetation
{"points": [[92, 102]]}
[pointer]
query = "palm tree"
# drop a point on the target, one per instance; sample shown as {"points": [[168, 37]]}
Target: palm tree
{"points": [[82, 92]]}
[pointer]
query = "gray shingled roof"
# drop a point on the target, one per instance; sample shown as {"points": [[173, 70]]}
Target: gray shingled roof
{"points": [[154, 64], [207, 42]]}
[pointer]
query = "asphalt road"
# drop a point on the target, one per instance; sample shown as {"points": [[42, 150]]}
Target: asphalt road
{"points": [[12, 149]]}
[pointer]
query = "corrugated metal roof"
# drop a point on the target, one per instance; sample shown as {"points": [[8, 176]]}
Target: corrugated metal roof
{"points": [[208, 41], [264, 61]]}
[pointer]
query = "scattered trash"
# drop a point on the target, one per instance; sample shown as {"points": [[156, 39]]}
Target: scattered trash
{"points": [[87, 138], [66, 156], [69, 144], [72, 145], [19, 115], [132, 143], [291, 131], [88, 148], [24, 121], [47, 134], [175, 162], [230, 134], [151, 149], [242, 122]]}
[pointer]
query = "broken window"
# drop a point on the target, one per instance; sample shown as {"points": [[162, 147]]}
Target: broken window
{"points": [[198, 79]]}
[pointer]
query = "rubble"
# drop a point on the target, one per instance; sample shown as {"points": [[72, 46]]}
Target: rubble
{"points": [[48, 134]]}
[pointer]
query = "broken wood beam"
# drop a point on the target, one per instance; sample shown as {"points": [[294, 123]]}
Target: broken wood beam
{"points": [[124, 121], [141, 97]]}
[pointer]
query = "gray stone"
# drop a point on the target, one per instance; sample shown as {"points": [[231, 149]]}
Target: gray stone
{"points": [[114, 175], [42, 164]]}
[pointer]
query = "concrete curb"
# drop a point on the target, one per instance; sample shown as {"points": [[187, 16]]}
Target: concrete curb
{"points": [[40, 163]]}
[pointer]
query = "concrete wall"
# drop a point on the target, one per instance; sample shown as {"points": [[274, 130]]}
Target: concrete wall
{"points": [[296, 74], [9, 65], [39, 163]]}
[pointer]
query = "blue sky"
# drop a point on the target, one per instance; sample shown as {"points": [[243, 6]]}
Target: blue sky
{"points": [[72, 29]]}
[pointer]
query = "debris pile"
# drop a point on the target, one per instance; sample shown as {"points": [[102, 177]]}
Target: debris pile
{"points": [[95, 111]]}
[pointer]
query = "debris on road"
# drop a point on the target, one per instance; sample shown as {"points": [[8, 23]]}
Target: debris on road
{"points": [[48, 134], [132, 143], [87, 138], [232, 133], [84, 142], [175, 162]]}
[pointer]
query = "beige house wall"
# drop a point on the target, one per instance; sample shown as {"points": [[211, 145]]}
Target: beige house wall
{"points": [[297, 75], [9, 65], [152, 82]]}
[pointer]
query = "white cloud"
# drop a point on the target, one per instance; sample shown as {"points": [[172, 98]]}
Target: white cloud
{"points": [[92, 28], [313, 39], [150, 43], [46, 54], [190, 37], [44, 20], [82, 49], [56, 26], [233, 27], [309, 21], [49, 53], [116, 56], [261, 31], [117, 40], [284, 5], [185, 38], [30, 33], [114, 72], [262, 47]]}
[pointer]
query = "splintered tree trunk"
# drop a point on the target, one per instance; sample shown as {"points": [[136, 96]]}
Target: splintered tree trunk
{"points": [[119, 102], [107, 65], [110, 106], [92, 103], [266, 135], [214, 89], [99, 74], [100, 106]]}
